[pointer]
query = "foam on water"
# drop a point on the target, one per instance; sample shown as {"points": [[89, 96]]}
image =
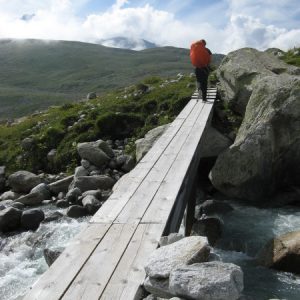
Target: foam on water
{"points": [[21, 255], [246, 231]]}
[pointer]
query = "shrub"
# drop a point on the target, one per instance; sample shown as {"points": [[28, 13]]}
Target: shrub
{"points": [[118, 125], [152, 80], [149, 106], [52, 137], [178, 105]]}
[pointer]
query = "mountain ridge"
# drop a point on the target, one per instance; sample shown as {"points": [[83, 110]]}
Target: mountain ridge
{"points": [[36, 74]]}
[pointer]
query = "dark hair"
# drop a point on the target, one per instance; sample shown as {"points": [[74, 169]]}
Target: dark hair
{"points": [[203, 41]]}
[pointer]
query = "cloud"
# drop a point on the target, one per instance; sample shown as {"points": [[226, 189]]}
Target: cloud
{"points": [[239, 23]]}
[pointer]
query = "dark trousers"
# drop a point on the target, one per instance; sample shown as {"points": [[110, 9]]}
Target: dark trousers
{"points": [[202, 79]]}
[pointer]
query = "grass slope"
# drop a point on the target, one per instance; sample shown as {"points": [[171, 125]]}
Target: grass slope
{"points": [[124, 113], [35, 74]]}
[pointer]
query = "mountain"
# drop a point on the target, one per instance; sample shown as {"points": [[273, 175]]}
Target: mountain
{"points": [[128, 43], [36, 74]]}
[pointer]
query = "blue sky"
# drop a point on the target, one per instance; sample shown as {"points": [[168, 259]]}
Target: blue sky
{"points": [[225, 24]]}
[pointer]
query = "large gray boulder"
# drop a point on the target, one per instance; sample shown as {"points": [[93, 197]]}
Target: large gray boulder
{"points": [[23, 181], [32, 218], [185, 251], [158, 287], [282, 253], [144, 145], [207, 281], [43, 190], [10, 219], [61, 185], [51, 255], [31, 199], [86, 183], [9, 195], [213, 142], [76, 211], [98, 153], [242, 69], [91, 203], [266, 153]]}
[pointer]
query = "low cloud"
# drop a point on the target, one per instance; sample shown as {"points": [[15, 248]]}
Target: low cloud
{"points": [[58, 19]]}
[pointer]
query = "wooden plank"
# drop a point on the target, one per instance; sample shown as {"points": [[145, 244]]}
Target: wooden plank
{"points": [[95, 274], [135, 208], [53, 283], [130, 273], [109, 211], [163, 201]]}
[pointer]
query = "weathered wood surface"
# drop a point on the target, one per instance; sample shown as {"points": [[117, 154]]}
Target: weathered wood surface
{"points": [[106, 260]]}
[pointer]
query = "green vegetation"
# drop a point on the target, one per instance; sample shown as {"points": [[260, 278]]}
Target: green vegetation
{"points": [[124, 113], [36, 74], [292, 57]]}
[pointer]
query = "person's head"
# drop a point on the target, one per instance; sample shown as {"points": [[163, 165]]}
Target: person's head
{"points": [[203, 42]]}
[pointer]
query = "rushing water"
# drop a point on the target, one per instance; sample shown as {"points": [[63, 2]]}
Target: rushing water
{"points": [[21, 254], [246, 230]]}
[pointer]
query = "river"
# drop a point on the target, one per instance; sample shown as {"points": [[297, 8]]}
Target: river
{"points": [[245, 231]]}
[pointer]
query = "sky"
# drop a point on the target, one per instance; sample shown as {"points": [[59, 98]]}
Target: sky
{"points": [[226, 25]]}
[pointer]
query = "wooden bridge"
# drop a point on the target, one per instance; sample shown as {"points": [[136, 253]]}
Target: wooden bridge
{"points": [[106, 260]]}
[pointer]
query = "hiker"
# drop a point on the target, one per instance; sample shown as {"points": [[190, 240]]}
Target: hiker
{"points": [[200, 58]]}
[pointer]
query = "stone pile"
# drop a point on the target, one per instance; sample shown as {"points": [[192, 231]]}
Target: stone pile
{"points": [[81, 194]]}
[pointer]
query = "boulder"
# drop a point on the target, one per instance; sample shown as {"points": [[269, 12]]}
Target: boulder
{"points": [[96, 193], [145, 144], [32, 218], [265, 156], [91, 203], [209, 227], [51, 256], [10, 219], [170, 239], [51, 155], [9, 195], [31, 199], [86, 183], [54, 216], [76, 211], [61, 185], [18, 205], [185, 251], [43, 190], [213, 142], [159, 287], [282, 253], [62, 203], [73, 194], [125, 162], [85, 163], [91, 95], [23, 181], [98, 153], [27, 143], [213, 207], [81, 171], [240, 70], [206, 281]]}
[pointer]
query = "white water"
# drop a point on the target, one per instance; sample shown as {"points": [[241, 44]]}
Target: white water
{"points": [[246, 230], [21, 255]]}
